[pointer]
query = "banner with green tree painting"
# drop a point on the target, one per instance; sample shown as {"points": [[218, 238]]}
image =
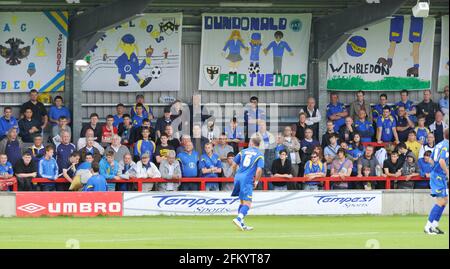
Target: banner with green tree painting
{"points": [[392, 55]]}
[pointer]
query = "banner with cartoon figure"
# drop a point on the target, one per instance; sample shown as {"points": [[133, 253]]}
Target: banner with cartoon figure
{"points": [[140, 55], [443, 63], [33, 49], [394, 54], [254, 51]]}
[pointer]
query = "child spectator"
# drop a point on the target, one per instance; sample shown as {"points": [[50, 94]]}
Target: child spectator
{"points": [[425, 168], [421, 130], [48, 169], [118, 118], [108, 131], [6, 173], [109, 168], [412, 143], [139, 116], [162, 149], [125, 129], [145, 145]]}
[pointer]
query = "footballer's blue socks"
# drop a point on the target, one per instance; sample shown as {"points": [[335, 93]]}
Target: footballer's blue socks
{"points": [[439, 213], [435, 213], [243, 210]]}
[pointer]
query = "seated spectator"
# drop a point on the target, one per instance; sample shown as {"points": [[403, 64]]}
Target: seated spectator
{"points": [[118, 118], [403, 151], [37, 150], [364, 127], [82, 141], [428, 108], [97, 182], [377, 111], [56, 130], [421, 130], [145, 145], [183, 141], [87, 163], [301, 126], [48, 169], [95, 126], [437, 128], [327, 134], [314, 169], [6, 172], [118, 149], [386, 131], [391, 166], [108, 131], [124, 130], [368, 160], [341, 167], [162, 149], [331, 150], [228, 172], [127, 170], [171, 171], [410, 108], [292, 147], [162, 122], [58, 110], [403, 124], [69, 173], [172, 138], [319, 151], [29, 126], [425, 167], [360, 104], [109, 169], [189, 166], [347, 131], [198, 140], [8, 121], [147, 110], [139, 116], [355, 152], [336, 112], [146, 169], [210, 166], [63, 152], [410, 169], [313, 116], [428, 146], [90, 149], [12, 146], [222, 148], [136, 132], [38, 108], [234, 133], [25, 170], [412, 143], [210, 130], [443, 102], [281, 168]]}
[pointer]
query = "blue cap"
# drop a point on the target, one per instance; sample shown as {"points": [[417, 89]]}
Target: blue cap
{"points": [[128, 39], [256, 36]]}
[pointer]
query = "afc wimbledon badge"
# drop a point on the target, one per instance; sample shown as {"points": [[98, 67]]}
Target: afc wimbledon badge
{"points": [[211, 73]]}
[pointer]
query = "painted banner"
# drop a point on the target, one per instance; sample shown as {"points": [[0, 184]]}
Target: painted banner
{"points": [[140, 55], [33, 49], [443, 63], [254, 51], [264, 203], [83, 204], [394, 54]]}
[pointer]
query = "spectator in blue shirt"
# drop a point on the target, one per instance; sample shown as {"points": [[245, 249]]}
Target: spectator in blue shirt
{"points": [[63, 152], [12, 146], [364, 127], [234, 133], [252, 115], [354, 152], [37, 150], [443, 102], [425, 168], [189, 166], [147, 113], [386, 131], [97, 182], [408, 105], [336, 112], [278, 46], [109, 168], [210, 166], [139, 116], [145, 145], [118, 118], [314, 168], [6, 170], [378, 108], [48, 168], [58, 110], [7, 122]]}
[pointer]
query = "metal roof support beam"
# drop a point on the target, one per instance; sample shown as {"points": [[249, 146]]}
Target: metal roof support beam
{"points": [[332, 31]]}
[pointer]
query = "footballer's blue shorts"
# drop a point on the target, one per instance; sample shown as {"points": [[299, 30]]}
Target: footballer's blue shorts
{"points": [[243, 189], [438, 185], [416, 29], [396, 30]]}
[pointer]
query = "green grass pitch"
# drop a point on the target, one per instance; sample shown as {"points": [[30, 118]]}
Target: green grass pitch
{"points": [[219, 232]]}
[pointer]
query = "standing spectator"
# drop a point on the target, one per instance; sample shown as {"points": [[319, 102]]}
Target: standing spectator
{"points": [[118, 149], [48, 169], [358, 105], [97, 182], [347, 131], [162, 122], [336, 111], [109, 168], [145, 145], [12, 146], [90, 149], [25, 170], [172, 138], [438, 127], [222, 148], [392, 166], [386, 131], [425, 167], [364, 127], [328, 133], [95, 126], [292, 147], [108, 131], [7, 122], [38, 109], [443, 102], [210, 166], [146, 169], [124, 130], [162, 149], [421, 131], [82, 141], [185, 138], [170, 171], [410, 169], [412, 144], [410, 108], [331, 150], [314, 169], [118, 118], [56, 130], [228, 172], [235, 134], [281, 168], [29, 126], [355, 152], [63, 152], [313, 116], [189, 166], [139, 116], [58, 110], [148, 113], [198, 140], [301, 126], [427, 107], [252, 115], [403, 151], [127, 170], [341, 167], [6, 172], [428, 146], [306, 148], [377, 111], [37, 150], [369, 160], [403, 124]]}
